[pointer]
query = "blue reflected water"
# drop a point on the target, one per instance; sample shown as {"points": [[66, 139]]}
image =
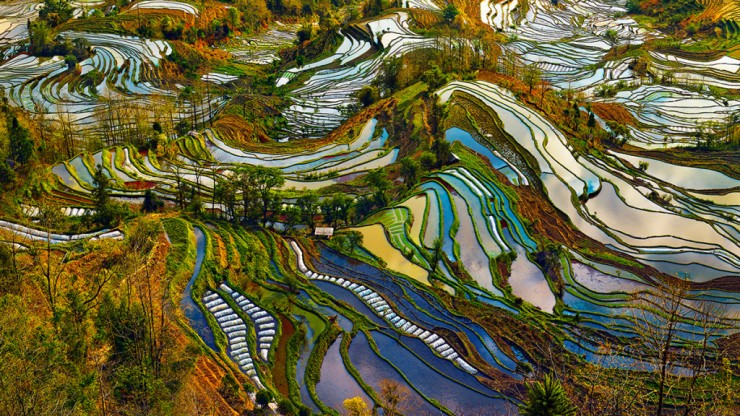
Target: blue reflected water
{"points": [[337, 384], [415, 304], [374, 370], [456, 134]]}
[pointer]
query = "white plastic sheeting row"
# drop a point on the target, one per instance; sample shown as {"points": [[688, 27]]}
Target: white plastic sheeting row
{"points": [[264, 323], [33, 234], [384, 310], [236, 332]]}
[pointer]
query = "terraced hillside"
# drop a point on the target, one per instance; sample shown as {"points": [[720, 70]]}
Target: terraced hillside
{"points": [[404, 208], [720, 10]]}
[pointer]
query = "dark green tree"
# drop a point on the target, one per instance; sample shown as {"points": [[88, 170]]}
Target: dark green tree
{"points": [[285, 407], [618, 133], [101, 182], [104, 214], [547, 398], [575, 114], [364, 206], [225, 193], [450, 12], [152, 203], [263, 398], [305, 33], [367, 95], [71, 62], [293, 216], [374, 8], [378, 179], [591, 121], [20, 143], [336, 209], [388, 78], [442, 152], [40, 38], [266, 180], [427, 160], [196, 205], [354, 239], [7, 174], [245, 183], [434, 77], [410, 171], [56, 12], [308, 203]]}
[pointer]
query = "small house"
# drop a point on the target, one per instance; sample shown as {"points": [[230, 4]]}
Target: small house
{"points": [[327, 232]]}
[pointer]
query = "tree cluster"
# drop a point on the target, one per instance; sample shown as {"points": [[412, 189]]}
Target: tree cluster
{"points": [[107, 213], [56, 12], [17, 152], [249, 194], [43, 43], [100, 343]]}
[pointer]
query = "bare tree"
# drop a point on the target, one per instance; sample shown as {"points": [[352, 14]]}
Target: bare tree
{"points": [[32, 381], [44, 128], [213, 170], [151, 292], [656, 319], [12, 270], [702, 356], [179, 185], [104, 115], [609, 389], [67, 130], [396, 399], [50, 262], [140, 122]]}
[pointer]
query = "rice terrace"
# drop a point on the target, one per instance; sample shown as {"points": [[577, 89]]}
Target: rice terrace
{"points": [[370, 207]]}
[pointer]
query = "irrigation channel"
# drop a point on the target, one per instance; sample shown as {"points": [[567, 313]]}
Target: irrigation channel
{"points": [[192, 311]]}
